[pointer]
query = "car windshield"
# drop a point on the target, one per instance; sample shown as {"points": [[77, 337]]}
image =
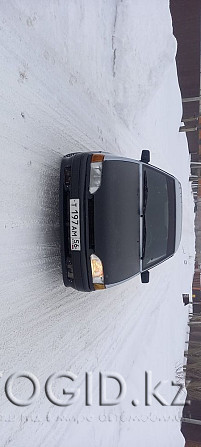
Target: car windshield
{"points": [[158, 216]]}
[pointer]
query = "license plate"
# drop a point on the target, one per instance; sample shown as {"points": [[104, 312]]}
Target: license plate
{"points": [[75, 224]]}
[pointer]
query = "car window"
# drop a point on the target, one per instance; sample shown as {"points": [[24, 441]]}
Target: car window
{"points": [[159, 216]]}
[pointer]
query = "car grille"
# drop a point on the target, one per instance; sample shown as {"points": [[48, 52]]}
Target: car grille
{"points": [[91, 223]]}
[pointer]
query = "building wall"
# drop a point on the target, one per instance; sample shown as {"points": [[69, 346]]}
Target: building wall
{"points": [[186, 28]]}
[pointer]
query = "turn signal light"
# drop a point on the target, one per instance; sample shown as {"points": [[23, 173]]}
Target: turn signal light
{"points": [[99, 286], [97, 158]]}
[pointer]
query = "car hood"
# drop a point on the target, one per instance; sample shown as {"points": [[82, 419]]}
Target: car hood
{"points": [[117, 220]]}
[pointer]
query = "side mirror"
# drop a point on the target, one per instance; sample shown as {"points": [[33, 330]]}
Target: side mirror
{"points": [[145, 276], [145, 156]]}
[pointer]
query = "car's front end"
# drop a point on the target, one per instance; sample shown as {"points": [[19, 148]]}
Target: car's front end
{"points": [[100, 223], [119, 217], [75, 244]]}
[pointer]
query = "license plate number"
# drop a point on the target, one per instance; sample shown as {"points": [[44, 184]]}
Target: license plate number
{"points": [[75, 224]]}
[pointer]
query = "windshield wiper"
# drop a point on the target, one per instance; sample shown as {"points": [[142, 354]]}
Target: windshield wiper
{"points": [[144, 237], [145, 193], [144, 231]]}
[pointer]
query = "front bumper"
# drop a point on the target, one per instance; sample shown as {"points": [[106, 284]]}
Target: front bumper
{"points": [[74, 184]]}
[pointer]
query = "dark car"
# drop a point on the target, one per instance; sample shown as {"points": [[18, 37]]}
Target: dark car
{"points": [[119, 217]]}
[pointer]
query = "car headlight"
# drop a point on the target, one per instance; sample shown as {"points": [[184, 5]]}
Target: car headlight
{"points": [[97, 272], [95, 172]]}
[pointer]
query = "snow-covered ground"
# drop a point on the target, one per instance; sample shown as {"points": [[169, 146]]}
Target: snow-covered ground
{"points": [[80, 76]]}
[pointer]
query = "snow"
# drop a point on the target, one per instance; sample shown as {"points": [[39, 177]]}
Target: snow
{"points": [[80, 76]]}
